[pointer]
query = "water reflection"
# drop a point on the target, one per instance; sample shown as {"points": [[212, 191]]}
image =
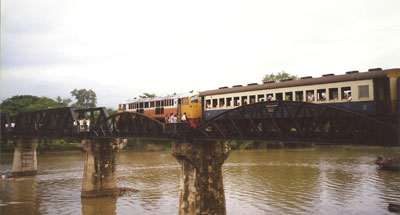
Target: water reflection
{"points": [[95, 206], [19, 196]]}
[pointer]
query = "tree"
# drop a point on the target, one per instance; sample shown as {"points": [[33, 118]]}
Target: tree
{"points": [[84, 98], [111, 111], [278, 77], [22, 103], [147, 95], [63, 102]]}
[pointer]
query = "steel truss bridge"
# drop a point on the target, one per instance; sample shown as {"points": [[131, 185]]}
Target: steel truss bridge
{"points": [[286, 121]]}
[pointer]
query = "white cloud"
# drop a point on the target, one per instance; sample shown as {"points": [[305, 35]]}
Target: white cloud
{"points": [[123, 48]]}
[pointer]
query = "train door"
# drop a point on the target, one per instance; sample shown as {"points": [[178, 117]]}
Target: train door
{"points": [[382, 96], [179, 106]]}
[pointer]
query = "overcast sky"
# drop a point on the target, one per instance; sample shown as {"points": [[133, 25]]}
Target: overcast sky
{"points": [[121, 49]]}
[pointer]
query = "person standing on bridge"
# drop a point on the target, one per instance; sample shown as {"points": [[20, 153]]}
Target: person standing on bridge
{"points": [[87, 124], [166, 118], [81, 125], [76, 125], [184, 118]]}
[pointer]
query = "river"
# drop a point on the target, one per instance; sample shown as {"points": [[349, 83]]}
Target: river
{"points": [[337, 180]]}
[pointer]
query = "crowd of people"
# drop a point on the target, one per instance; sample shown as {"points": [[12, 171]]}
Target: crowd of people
{"points": [[172, 118], [82, 125]]}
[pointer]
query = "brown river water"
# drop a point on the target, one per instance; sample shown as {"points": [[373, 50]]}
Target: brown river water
{"points": [[338, 180]]}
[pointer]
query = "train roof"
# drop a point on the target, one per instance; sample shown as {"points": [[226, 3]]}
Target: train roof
{"points": [[304, 81], [158, 98]]}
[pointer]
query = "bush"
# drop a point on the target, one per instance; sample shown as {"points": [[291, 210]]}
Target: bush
{"points": [[247, 145], [234, 144]]}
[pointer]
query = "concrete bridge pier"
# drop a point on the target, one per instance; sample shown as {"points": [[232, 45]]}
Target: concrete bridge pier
{"points": [[25, 159], [201, 183], [100, 176]]}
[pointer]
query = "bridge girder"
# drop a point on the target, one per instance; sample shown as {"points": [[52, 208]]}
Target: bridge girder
{"points": [[128, 124], [297, 122]]}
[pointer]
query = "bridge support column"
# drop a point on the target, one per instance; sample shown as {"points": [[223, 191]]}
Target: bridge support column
{"points": [[201, 183], [25, 159], [100, 176]]}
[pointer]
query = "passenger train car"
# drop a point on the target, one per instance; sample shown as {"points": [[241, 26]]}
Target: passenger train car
{"points": [[160, 107], [374, 93]]}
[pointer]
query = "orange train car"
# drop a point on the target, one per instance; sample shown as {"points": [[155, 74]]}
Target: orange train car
{"points": [[160, 107]]}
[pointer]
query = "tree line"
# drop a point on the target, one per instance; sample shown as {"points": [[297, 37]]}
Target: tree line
{"points": [[22, 103]]}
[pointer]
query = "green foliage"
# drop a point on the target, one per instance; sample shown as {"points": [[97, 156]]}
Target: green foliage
{"points": [[111, 111], [17, 104], [280, 76], [234, 144], [84, 98], [147, 95], [57, 145], [247, 145]]}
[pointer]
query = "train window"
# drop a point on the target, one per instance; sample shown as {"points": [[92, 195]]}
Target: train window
{"points": [[299, 96], [344, 92], [151, 104], [236, 101], [185, 101], [214, 103], [194, 99], [270, 97], [141, 105], [229, 102], [363, 91], [146, 105], [321, 94], [279, 96], [124, 107], [260, 98], [252, 99], [221, 102], [244, 100], [310, 95], [333, 93], [208, 103], [289, 96], [158, 103], [162, 103]]}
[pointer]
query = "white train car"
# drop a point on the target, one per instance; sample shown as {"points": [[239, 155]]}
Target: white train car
{"points": [[373, 93]]}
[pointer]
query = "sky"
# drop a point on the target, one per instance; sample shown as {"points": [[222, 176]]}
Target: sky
{"points": [[121, 49]]}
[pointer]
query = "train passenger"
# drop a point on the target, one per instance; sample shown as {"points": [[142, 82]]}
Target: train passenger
{"points": [[269, 99], [178, 118], [310, 97], [349, 97], [208, 105], [166, 118]]}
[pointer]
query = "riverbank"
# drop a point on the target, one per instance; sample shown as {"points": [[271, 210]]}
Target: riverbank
{"points": [[151, 145]]}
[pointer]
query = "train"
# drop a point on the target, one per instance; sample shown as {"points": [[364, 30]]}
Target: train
{"points": [[374, 93]]}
